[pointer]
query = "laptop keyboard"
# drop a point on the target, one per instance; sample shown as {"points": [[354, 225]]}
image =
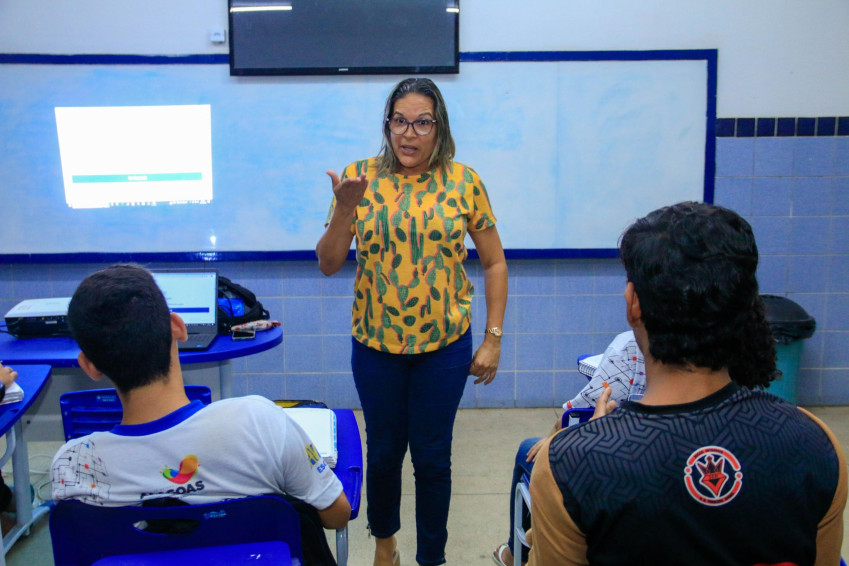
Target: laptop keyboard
{"points": [[195, 339]]}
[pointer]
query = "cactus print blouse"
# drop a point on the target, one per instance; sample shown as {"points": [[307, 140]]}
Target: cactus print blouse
{"points": [[412, 294]]}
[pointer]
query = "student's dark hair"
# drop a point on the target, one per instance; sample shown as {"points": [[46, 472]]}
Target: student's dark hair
{"points": [[121, 322], [443, 151], [693, 268]]}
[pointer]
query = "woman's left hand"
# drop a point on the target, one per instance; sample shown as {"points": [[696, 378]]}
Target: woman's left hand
{"points": [[485, 361]]}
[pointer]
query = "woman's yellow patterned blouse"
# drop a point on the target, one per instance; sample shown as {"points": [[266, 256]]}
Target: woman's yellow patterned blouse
{"points": [[411, 291]]}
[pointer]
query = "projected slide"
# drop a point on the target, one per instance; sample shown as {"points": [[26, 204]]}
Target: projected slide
{"points": [[135, 155]]}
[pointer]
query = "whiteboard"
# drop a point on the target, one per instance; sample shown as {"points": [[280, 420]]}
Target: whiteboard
{"points": [[572, 148]]}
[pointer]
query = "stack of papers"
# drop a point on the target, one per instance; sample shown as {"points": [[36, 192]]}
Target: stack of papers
{"points": [[320, 426], [588, 365], [14, 393]]}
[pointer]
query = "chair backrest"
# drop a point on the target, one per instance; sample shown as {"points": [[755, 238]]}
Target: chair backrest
{"points": [[84, 412], [576, 416], [83, 534], [587, 364]]}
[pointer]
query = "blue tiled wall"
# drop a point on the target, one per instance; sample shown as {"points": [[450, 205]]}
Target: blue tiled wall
{"points": [[794, 190]]}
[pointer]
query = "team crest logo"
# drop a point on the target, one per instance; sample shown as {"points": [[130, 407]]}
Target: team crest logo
{"points": [[713, 476]]}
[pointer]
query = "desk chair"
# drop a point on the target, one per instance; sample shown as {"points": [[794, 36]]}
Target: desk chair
{"points": [[349, 470], [522, 494], [256, 530], [349, 466], [93, 410], [84, 412]]}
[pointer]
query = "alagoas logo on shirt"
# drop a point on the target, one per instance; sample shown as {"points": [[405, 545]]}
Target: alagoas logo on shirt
{"points": [[181, 476], [188, 468], [713, 476]]}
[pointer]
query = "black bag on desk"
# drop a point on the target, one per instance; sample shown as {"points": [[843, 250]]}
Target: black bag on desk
{"points": [[237, 305]]}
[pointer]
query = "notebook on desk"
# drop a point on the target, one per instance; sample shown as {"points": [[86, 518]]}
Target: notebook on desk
{"points": [[589, 364], [193, 294], [14, 393], [320, 426]]}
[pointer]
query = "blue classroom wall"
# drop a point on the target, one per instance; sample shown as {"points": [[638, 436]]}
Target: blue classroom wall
{"points": [[794, 191]]}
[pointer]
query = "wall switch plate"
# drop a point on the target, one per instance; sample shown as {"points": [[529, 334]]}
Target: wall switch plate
{"points": [[217, 35]]}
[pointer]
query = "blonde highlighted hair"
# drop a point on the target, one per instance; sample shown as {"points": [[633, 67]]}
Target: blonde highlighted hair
{"points": [[443, 151]]}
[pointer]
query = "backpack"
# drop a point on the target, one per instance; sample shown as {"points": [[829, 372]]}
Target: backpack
{"points": [[237, 305]]}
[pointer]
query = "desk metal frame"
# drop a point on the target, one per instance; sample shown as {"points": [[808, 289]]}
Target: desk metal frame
{"points": [[32, 379]]}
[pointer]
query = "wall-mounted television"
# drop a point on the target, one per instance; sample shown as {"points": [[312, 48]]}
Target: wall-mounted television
{"points": [[342, 37]]}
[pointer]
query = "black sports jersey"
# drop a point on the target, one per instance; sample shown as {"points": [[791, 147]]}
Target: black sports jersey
{"points": [[738, 478]]}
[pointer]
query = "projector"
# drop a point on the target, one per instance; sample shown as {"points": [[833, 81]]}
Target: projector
{"points": [[39, 318]]}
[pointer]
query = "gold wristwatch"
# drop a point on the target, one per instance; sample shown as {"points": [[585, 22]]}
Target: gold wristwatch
{"points": [[495, 331]]}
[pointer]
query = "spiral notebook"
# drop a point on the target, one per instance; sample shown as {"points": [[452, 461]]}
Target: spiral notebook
{"points": [[320, 426], [588, 365]]}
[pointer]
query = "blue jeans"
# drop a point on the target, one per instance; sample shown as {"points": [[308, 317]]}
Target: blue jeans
{"points": [[521, 468], [411, 399]]}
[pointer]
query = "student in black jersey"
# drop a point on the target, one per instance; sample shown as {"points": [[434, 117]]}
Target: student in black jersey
{"points": [[708, 468]]}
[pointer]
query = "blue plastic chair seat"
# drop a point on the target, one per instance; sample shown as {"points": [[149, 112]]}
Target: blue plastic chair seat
{"points": [[85, 534], [259, 554], [575, 416]]}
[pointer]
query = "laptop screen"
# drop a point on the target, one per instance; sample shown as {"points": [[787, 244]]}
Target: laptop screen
{"points": [[193, 294]]}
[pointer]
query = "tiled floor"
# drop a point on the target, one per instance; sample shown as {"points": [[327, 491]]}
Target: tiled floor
{"points": [[484, 448]]}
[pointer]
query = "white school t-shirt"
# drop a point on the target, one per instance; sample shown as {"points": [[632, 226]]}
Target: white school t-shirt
{"points": [[231, 448]]}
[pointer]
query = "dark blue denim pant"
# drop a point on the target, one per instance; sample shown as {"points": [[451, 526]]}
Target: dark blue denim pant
{"points": [[411, 399], [520, 468]]}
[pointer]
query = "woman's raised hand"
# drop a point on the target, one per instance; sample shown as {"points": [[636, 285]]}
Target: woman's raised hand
{"points": [[349, 192]]}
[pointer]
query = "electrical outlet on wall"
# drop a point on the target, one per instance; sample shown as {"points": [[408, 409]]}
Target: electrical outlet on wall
{"points": [[218, 35]]}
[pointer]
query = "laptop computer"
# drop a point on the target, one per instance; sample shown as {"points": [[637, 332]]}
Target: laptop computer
{"points": [[193, 294]]}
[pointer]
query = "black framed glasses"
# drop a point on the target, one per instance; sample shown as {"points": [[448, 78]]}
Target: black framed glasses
{"points": [[399, 125]]}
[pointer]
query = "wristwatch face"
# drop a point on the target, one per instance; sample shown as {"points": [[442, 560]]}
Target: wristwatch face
{"points": [[495, 331]]}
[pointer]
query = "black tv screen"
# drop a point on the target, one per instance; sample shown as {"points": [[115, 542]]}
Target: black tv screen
{"points": [[333, 37]]}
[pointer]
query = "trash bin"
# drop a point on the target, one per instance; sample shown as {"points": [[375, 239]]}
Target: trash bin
{"points": [[790, 324]]}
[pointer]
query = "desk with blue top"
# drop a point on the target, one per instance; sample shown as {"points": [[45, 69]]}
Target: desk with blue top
{"points": [[32, 379]]}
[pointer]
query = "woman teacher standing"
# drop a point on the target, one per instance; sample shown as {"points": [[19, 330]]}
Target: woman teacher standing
{"points": [[410, 208]]}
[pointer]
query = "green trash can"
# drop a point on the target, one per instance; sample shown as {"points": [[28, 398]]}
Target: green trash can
{"points": [[790, 324]]}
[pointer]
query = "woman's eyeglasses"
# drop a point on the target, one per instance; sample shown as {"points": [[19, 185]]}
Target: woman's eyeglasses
{"points": [[399, 126]]}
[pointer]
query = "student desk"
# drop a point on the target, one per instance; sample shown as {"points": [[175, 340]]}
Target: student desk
{"points": [[349, 470], [32, 379], [61, 352]]}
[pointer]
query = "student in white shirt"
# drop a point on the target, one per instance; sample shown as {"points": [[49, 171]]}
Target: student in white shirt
{"points": [[167, 446]]}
